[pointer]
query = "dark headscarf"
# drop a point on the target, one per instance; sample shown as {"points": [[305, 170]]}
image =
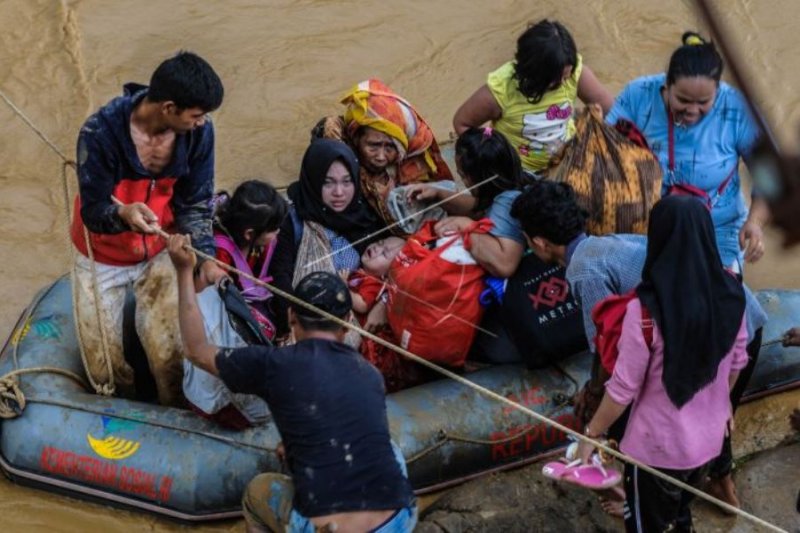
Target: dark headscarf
{"points": [[697, 305], [354, 223]]}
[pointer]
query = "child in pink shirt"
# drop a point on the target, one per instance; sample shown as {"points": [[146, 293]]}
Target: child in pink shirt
{"points": [[678, 388]]}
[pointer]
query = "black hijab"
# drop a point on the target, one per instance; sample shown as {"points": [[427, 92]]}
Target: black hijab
{"points": [[357, 221], [696, 303]]}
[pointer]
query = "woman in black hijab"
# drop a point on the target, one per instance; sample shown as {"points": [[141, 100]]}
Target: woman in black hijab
{"points": [[678, 387], [696, 303], [355, 220], [329, 223]]}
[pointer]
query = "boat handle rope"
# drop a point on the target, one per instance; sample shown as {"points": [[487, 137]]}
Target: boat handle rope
{"points": [[443, 437], [560, 400], [445, 372]]}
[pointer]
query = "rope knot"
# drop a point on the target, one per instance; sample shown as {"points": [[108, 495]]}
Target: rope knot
{"points": [[12, 400], [105, 389]]}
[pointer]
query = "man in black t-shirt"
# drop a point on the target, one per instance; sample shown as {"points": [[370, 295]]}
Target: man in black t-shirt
{"points": [[329, 406]]}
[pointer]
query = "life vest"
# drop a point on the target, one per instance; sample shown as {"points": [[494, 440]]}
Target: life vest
{"points": [[250, 290]]}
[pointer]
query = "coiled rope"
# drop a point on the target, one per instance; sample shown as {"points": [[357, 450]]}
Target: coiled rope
{"points": [[12, 399], [105, 389], [449, 374]]}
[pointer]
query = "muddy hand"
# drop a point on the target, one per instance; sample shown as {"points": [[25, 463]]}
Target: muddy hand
{"points": [[139, 218], [792, 337], [422, 192], [180, 252]]}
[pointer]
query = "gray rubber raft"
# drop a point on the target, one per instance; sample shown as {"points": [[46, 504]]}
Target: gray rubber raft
{"points": [[171, 462]]}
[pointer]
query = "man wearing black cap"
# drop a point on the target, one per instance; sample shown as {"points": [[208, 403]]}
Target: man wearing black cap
{"points": [[329, 406]]}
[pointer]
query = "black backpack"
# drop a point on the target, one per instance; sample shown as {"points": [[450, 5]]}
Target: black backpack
{"points": [[540, 315], [239, 314]]}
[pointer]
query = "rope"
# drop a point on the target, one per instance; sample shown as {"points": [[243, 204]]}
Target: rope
{"points": [[150, 422], [30, 124], [773, 341], [12, 399], [416, 214], [9, 385], [393, 286], [489, 393], [104, 389], [442, 436], [447, 373]]}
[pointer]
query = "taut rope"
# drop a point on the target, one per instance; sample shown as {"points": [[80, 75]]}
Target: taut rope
{"points": [[447, 373]]}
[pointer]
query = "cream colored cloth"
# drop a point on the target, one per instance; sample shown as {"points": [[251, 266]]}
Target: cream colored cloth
{"points": [[314, 254], [155, 287]]}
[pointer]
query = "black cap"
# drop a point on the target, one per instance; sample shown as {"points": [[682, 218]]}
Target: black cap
{"points": [[324, 291]]}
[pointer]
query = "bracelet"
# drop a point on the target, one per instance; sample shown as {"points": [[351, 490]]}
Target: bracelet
{"points": [[589, 433]]}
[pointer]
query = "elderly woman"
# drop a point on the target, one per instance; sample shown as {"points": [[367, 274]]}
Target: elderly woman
{"points": [[329, 223], [394, 144]]}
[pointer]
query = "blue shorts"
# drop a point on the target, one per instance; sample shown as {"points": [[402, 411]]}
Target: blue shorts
{"points": [[267, 502]]}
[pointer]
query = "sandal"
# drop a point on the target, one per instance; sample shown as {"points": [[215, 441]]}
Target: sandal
{"points": [[594, 476]]}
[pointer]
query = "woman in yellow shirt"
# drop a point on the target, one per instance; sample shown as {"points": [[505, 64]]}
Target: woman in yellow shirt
{"points": [[531, 99]]}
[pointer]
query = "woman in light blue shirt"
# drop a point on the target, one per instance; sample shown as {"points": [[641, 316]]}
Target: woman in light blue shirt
{"points": [[699, 128]]}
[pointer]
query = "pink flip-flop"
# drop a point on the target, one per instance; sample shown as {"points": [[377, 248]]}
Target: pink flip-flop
{"points": [[593, 476]]}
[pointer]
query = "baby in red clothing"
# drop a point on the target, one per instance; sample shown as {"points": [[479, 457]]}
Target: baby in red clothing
{"points": [[367, 283], [366, 286]]}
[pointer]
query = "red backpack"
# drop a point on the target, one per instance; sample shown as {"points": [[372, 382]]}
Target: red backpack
{"points": [[607, 316], [434, 305]]}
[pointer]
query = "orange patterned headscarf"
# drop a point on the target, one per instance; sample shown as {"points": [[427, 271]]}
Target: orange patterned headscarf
{"points": [[373, 104]]}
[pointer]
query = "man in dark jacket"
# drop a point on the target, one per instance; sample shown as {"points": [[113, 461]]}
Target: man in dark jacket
{"points": [[329, 406], [145, 162]]}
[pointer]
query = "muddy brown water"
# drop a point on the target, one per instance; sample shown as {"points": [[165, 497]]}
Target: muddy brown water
{"points": [[284, 64]]}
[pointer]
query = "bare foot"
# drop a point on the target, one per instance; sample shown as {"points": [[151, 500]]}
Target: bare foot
{"points": [[725, 490], [794, 419], [612, 501], [613, 508]]}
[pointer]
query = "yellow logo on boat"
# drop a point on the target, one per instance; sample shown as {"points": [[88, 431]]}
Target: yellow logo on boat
{"points": [[21, 332], [112, 447]]}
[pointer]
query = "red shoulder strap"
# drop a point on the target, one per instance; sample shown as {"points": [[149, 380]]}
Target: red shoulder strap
{"points": [[647, 327], [483, 225], [671, 163]]}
